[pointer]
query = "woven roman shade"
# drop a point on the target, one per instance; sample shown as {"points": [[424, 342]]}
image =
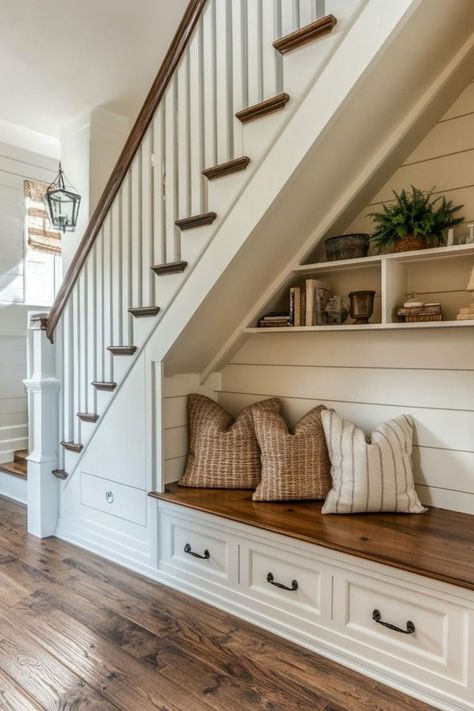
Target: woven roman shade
{"points": [[40, 235]]}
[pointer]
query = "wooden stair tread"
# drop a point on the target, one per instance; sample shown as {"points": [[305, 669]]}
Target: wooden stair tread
{"points": [[104, 385], [188, 223], [305, 34], [18, 469], [437, 544], [72, 446], [122, 350], [88, 416], [169, 268], [264, 108], [227, 168], [20, 455], [60, 473], [142, 311]]}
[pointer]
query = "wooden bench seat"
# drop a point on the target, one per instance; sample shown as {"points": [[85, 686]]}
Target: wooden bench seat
{"points": [[438, 544]]}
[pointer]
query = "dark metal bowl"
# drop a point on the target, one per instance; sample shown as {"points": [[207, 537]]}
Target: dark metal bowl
{"points": [[347, 247]]}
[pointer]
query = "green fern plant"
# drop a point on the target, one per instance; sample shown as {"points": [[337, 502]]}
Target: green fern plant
{"points": [[415, 213]]}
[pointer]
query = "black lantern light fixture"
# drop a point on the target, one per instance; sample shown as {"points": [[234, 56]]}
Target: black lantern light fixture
{"points": [[62, 203]]}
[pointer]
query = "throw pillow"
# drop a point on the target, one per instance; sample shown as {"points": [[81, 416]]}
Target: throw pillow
{"points": [[223, 454], [374, 475], [294, 466]]}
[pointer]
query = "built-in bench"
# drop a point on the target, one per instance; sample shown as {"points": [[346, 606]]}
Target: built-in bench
{"points": [[391, 595], [438, 544]]}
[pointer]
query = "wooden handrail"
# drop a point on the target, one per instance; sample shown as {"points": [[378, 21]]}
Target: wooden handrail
{"points": [[165, 73]]}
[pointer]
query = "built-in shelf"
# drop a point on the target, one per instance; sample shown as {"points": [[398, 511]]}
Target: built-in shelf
{"points": [[439, 274]]}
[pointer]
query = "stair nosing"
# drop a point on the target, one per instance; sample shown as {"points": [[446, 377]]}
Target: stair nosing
{"points": [[264, 108], [221, 169], [122, 350], [169, 268], [60, 473], [5, 469], [189, 223], [104, 384], [142, 311], [72, 446], [308, 33], [87, 416]]}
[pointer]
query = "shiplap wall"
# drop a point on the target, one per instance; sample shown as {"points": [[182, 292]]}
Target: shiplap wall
{"points": [[369, 377]]}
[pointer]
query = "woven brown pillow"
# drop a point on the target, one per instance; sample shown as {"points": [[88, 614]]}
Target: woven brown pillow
{"points": [[223, 454], [294, 466]]}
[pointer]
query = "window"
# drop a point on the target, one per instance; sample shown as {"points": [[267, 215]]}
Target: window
{"points": [[43, 249]]}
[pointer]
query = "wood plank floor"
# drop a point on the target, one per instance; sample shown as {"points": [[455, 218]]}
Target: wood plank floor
{"points": [[77, 632]]}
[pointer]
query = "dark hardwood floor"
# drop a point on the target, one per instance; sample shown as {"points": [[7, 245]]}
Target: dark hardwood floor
{"points": [[77, 632]]}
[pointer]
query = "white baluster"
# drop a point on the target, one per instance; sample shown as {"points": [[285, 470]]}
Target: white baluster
{"points": [[255, 51], [196, 111], [172, 239], [136, 211], [225, 119], [127, 324], [159, 202], [183, 139], [239, 67], [108, 298], [271, 58], [147, 220], [210, 99]]}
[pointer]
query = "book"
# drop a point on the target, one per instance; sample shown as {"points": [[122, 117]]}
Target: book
{"points": [[295, 306], [313, 301]]}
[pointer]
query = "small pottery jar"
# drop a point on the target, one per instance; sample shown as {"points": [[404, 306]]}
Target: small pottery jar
{"points": [[362, 306]]}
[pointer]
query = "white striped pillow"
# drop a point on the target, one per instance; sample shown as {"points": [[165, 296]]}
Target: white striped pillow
{"points": [[370, 476]]}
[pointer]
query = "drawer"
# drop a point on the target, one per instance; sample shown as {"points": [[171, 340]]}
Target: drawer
{"points": [[286, 582], [197, 549], [403, 623], [116, 499]]}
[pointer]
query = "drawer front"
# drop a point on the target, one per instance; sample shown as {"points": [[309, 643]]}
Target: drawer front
{"points": [[116, 499], [403, 623], [287, 582], [197, 549]]}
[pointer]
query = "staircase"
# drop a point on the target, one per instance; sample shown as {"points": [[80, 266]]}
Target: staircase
{"points": [[168, 206], [193, 180], [19, 465]]}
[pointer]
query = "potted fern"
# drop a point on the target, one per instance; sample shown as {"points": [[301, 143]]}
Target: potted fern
{"points": [[414, 221]]}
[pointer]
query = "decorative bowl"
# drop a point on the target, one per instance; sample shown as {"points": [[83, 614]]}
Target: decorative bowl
{"points": [[347, 247]]}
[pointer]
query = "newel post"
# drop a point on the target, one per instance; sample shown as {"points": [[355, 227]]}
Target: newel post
{"points": [[43, 408]]}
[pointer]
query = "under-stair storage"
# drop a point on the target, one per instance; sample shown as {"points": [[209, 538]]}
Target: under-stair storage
{"points": [[438, 275]]}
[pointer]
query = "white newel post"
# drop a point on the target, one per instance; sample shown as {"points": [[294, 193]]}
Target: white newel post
{"points": [[43, 388]]}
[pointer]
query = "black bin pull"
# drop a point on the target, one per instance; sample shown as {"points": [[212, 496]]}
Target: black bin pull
{"points": [[187, 549], [377, 617], [272, 581]]}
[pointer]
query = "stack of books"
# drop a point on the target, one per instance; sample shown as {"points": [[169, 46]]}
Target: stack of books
{"points": [[419, 313], [275, 319], [307, 304]]}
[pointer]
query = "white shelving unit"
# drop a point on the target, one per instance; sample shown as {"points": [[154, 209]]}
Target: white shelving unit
{"points": [[439, 274]]}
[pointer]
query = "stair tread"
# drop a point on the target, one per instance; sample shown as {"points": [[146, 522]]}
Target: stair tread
{"points": [[227, 168], [20, 455], [305, 34], [15, 469], [122, 350], [59, 473], [188, 223], [169, 268], [264, 108], [104, 385], [72, 446], [88, 416], [141, 311]]}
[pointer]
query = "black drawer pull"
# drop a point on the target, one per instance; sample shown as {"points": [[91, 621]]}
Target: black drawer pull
{"points": [[377, 617], [271, 580], [187, 549]]}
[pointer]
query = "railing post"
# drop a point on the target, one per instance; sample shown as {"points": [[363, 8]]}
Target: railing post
{"points": [[43, 388]]}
